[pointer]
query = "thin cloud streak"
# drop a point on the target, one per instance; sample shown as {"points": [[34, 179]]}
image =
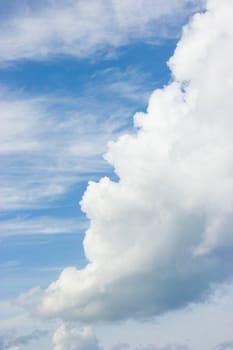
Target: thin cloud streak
{"points": [[82, 28], [50, 143], [41, 225]]}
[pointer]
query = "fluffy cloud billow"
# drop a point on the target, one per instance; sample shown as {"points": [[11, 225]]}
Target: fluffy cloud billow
{"points": [[72, 338], [161, 236]]}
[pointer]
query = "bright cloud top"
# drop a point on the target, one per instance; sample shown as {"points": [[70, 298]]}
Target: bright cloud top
{"points": [[80, 27], [71, 338], [161, 235]]}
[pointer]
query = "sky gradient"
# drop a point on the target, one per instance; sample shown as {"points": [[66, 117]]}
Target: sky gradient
{"points": [[116, 193]]}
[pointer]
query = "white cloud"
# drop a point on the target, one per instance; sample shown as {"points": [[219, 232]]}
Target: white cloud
{"points": [[71, 338], [185, 326], [48, 144], [81, 27], [40, 225], [161, 236]]}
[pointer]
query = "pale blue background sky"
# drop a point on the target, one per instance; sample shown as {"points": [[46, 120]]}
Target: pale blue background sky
{"points": [[62, 99]]}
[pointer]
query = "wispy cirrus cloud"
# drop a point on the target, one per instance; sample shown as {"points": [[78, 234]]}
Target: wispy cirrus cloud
{"points": [[41, 154], [12, 341], [40, 225], [50, 143], [82, 28]]}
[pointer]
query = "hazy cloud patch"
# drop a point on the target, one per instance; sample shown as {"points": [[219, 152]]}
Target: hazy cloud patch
{"points": [[73, 338], [83, 28]]}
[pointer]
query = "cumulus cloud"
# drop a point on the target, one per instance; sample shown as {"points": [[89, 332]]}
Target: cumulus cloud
{"points": [[72, 338], [80, 27], [162, 235]]}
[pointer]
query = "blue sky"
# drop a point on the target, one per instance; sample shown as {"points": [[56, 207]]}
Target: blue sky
{"points": [[88, 81], [107, 189]]}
